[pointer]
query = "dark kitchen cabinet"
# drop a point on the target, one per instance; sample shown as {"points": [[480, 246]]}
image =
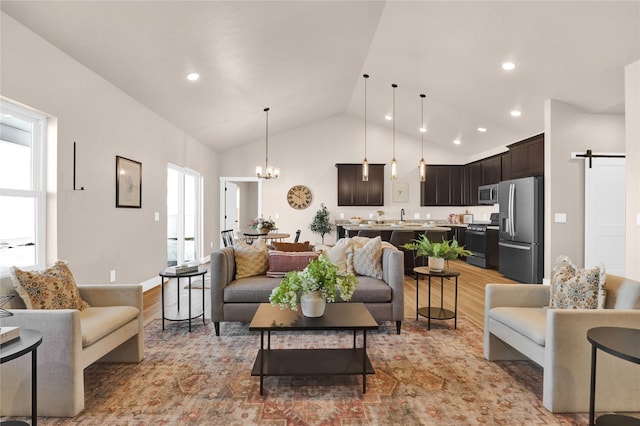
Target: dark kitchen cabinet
{"points": [[505, 159], [353, 191], [443, 186], [475, 180], [491, 170], [527, 157]]}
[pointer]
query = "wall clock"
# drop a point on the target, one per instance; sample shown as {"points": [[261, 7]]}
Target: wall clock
{"points": [[299, 197]]}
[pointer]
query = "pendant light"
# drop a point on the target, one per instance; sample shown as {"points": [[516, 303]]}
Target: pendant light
{"points": [[422, 166], [394, 163], [365, 163], [270, 172]]}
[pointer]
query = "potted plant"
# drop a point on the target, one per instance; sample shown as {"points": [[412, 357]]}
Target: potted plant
{"points": [[320, 224], [312, 287], [262, 225], [437, 253]]}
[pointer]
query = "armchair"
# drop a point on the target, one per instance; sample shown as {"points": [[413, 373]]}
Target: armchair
{"points": [[111, 330], [518, 325]]}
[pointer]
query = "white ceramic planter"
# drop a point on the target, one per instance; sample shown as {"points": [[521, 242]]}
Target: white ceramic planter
{"points": [[436, 264], [312, 304]]}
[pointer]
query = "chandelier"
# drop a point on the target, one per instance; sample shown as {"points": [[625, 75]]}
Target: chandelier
{"points": [[270, 172]]}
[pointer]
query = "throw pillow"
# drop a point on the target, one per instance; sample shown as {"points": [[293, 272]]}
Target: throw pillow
{"points": [[574, 288], [251, 259], [340, 255], [366, 258], [281, 262], [53, 288], [282, 246]]}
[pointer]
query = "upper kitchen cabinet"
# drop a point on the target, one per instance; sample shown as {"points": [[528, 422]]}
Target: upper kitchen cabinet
{"points": [[474, 176], [491, 170], [444, 186], [353, 191], [526, 157]]}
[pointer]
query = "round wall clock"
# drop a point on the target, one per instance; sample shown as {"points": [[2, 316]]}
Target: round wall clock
{"points": [[299, 197]]}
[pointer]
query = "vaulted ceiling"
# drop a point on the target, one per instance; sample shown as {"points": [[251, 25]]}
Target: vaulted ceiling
{"points": [[305, 61]]}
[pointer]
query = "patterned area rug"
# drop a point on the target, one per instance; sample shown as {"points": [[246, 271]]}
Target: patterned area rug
{"points": [[436, 377]]}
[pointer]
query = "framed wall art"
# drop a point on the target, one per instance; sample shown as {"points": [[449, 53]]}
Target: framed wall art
{"points": [[400, 192], [128, 183]]}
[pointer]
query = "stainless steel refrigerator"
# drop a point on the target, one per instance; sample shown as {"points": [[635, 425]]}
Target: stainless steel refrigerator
{"points": [[520, 246]]}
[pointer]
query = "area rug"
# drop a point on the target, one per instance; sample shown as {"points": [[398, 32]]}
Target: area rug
{"points": [[436, 377]]}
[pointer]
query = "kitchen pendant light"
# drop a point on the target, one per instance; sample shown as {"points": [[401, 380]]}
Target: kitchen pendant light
{"points": [[422, 166], [365, 163], [270, 172], [394, 163]]}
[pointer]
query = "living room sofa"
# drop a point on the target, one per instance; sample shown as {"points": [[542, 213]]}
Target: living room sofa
{"points": [[238, 299], [110, 330], [518, 325]]}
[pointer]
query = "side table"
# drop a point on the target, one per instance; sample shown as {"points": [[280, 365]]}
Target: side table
{"points": [[175, 314], [28, 341], [437, 312], [620, 342]]}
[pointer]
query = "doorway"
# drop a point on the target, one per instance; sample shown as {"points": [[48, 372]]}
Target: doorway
{"points": [[604, 220], [240, 201], [183, 215]]}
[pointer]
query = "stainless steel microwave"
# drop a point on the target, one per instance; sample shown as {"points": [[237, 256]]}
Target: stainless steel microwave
{"points": [[488, 194]]}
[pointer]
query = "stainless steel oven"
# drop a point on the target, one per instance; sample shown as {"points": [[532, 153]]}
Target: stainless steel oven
{"points": [[482, 240]]}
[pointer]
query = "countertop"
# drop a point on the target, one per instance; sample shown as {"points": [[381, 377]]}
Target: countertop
{"points": [[396, 226]]}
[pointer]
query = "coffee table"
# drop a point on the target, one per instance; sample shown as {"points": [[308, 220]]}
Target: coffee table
{"points": [[313, 362]]}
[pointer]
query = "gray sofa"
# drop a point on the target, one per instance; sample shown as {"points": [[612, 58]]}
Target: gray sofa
{"points": [[110, 330], [517, 325], [238, 300]]}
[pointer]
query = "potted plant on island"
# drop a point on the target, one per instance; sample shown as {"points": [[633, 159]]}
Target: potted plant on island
{"points": [[262, 225], [312, 287], [437, 253]]}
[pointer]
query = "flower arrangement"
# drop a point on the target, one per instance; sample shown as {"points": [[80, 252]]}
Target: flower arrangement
{"points": [[447, 249], [319, 275], [261, 223]]}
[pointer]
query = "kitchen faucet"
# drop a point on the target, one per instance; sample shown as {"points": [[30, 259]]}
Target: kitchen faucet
{"points": [[401, 214]]}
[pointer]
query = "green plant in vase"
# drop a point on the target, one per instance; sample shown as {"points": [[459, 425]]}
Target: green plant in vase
{"points": [[318, 280], [445, 250]]}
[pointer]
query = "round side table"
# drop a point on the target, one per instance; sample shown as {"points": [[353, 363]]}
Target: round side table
{"points": [[28, 341], [431, 312], [175, 314], [620, 342]]}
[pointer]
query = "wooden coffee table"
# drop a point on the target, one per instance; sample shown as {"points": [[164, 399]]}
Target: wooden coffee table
{"points": [[312, 362]]}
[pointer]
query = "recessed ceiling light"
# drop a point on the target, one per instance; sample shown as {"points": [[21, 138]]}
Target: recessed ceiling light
{"points": [[457, 142], [193, 76], [508, 66], [482, 129], [388, 117], [516, 113], [423, 129]]}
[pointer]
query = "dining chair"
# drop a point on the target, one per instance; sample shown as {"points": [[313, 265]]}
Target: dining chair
{"points": [[227, 237], [297, 236]]}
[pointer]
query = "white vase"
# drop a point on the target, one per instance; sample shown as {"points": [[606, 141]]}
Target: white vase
{"points": [[313, 304], [436, 264]]}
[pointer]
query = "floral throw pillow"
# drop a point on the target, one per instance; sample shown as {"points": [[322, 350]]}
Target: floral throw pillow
{"points": [[574, 288], [53, 288], [251, 259]]}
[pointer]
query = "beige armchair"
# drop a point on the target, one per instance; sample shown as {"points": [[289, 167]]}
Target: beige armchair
{"points": [[110, 330], [517, 325]]}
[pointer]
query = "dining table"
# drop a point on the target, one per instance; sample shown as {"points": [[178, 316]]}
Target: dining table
{"points": [[250, 237]]}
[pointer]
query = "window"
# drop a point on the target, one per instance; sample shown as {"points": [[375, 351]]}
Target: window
{"points": [[183, 215], [22, 188]]}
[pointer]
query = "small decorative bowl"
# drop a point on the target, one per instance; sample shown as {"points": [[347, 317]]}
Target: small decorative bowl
{"points": [[355, 221]]}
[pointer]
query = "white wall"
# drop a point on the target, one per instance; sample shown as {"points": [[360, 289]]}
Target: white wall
{"points": [[93, 235], [567, 130], [632, 110], [307, 156]]}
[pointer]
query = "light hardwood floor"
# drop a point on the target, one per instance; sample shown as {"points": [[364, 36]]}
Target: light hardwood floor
{"points": [[471, 284]]}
